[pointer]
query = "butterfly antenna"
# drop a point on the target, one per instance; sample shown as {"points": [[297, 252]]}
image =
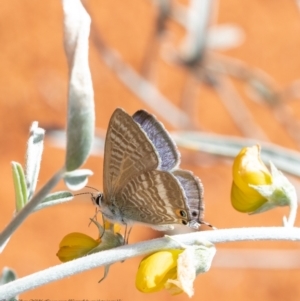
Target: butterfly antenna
{"points": [[82, 193], [91, 188], [88, 191], [208, 224]]}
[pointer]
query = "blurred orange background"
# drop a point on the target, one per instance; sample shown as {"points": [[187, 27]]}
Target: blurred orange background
{"points": [[34, 83]]}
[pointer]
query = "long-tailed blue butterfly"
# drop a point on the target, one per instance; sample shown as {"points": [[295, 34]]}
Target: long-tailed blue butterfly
{"points": [[142, 182]]}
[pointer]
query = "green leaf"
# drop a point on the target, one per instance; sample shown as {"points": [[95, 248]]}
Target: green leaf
{"points": [[8, 275], [55, 198], [81, 116], [77, 179], [20, 185], [79, 137], [34, 152]]}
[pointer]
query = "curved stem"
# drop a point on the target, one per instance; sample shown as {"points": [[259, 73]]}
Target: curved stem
{"points": [[290, 221], [29, 207], [108, 257]]}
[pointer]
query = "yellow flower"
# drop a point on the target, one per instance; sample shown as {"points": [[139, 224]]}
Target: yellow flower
{"points": [[248, 169], [174, 269], [255, 189], [75, 245], [156, 269]]}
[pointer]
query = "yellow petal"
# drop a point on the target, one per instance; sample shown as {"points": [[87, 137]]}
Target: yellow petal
{"points": [[248, 168], [156, 269], [75, 245], [243, 202]]}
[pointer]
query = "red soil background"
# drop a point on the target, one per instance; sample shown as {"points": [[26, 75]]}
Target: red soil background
{"points": [[33, 85]]}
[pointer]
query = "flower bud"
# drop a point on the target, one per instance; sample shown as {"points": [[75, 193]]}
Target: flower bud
{"points": [[255, 189], [75, 245], [248, 169]]}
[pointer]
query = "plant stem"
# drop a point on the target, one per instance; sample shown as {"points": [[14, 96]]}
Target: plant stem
{"points": [[29, 207], [105, 258], [290, 221]]}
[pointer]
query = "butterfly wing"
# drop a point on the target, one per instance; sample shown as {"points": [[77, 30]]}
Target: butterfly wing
{"points": [[193, 190], [163, 143], [155, 198], [141, 182], [170, 159], [128, 151]]}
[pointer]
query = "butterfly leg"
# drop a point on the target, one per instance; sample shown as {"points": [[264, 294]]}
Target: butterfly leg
{"points": [[100, 228], [126, 234], [106, 270]]}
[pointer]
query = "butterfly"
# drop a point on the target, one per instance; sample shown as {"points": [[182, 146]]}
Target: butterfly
{"points": [[142, 181]]}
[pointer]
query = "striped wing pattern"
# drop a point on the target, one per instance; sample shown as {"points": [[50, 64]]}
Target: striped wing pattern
{"points": [[193, 190], [141, 182], [128, 152], [154, 196]]}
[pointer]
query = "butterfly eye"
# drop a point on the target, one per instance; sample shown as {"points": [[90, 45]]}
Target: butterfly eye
{"points": [[184, 222], [98, 199]]}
